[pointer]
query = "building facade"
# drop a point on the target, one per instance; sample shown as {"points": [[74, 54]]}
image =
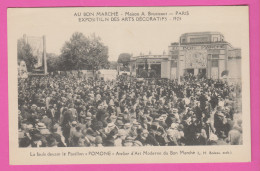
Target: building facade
{"points": [[150, 66], [201, 54]]}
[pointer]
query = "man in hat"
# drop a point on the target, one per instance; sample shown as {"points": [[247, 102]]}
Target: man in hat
{"points": [[76, 136], [51, 141], [127, 127], [137, 143], [128, 142], [198, 111], [198, 139], [133, 131], [51, 112], [219, 119], [221, 138], [25, 142], [110, 140], [72, 132], [172, 138], [58, 136], [110, 127], [113, 118], [37, 139], [171, 118], [161, 137], [121, 137], [161, 121], [120, 124], [73, 111], [47, 121], [151, 138], [98, 141], [88, 120]]}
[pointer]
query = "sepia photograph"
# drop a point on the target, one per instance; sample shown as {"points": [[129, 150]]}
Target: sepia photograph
{"points": [[145, 78]]}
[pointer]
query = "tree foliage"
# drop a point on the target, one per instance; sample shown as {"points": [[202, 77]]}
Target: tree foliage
{"points": [[82, 52], [53, 62], [24, 53], [124, 58], [113, 65]]}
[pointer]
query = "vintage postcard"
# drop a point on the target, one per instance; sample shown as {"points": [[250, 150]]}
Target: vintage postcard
{"points": [[111, 85]]}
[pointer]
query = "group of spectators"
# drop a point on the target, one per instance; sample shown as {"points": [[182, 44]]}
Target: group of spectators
{"points": [[73, 111]]}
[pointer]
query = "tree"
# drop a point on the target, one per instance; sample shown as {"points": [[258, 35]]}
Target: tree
{"points": [[97, 53], [82, 52], [124, 58], [113, 65], [73, 53], [24, 53], [53, 62]]}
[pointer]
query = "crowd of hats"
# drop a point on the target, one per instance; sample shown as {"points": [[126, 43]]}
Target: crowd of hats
{"points": [[72, 111]]}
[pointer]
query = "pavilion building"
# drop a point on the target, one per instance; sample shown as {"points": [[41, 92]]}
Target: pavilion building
{"points": [[202, 53]]}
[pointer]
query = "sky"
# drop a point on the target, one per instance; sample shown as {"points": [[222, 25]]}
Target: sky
{"points": [[58, 24]]}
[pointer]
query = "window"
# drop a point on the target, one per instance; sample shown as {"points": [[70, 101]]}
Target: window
{"points": [[174, 64], [215, 39], [199, 39], [214, 63], [216, 56]]}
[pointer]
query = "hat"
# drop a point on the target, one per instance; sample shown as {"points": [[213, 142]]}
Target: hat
{"points": [[119, 122], [89, 114], [110, 124], [222, 134], [137, 143], [119, 118], [174, 110], [113, 117], [220, 114], [180, 127], [82, 115], [219, 108], [98, 140], [171, 113], [145, 131], [74, 122], [120, 114], [136, 123], [88, 132], [164, 115], [174, 125], [122, 132], [127, 125], [129, 139], [133, 117], [56, 126], [99, 123], [88, 118], [34, 105], [41, 125], [169, 132], [36, 137], [29, 126], [45, 132], [160, 119], [51, 141]]}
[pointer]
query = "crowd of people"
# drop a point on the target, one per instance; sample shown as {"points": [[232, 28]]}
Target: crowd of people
{"points": [[74, 111]]}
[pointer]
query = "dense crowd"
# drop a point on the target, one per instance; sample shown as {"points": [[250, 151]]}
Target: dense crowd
{"points": [[73, 111]]}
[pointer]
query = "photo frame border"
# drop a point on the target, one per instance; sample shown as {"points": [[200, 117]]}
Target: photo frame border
{"points": [[254, 84]]}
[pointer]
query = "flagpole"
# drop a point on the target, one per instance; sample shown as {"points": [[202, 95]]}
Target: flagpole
{"points": [[44, 55], [178, 65]]}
